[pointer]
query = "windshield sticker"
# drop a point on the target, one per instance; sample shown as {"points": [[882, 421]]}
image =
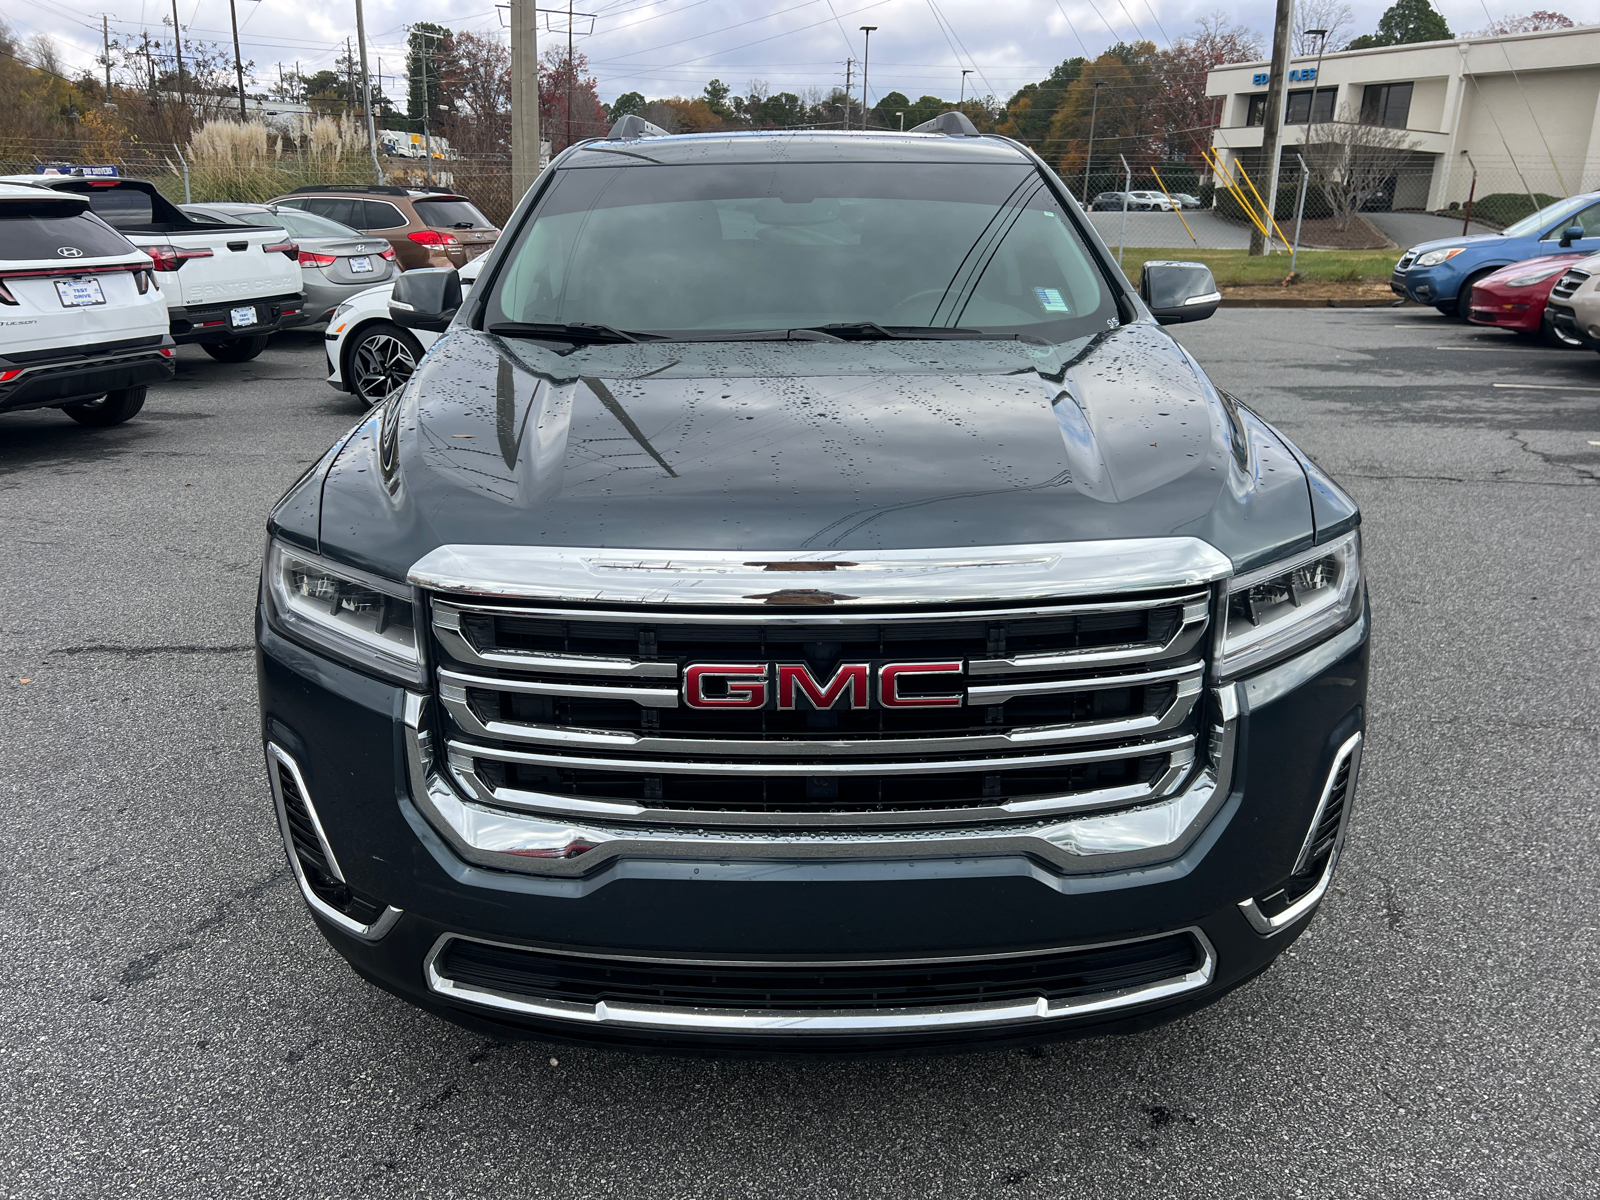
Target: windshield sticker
{"points": [[1050, 300]]}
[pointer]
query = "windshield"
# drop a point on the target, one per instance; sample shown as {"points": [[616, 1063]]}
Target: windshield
{"points": [[300, 224], [750, 247], [450, 214], [1547, 215]]}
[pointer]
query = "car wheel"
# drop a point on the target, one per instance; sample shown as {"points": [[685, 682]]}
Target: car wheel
{"points": [[1457, 308], [111, 409], [379, 361], [1447, 309], [236, 350]]}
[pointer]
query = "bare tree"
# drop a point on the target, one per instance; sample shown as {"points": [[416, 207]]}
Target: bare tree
{"points": [[1353, 162], [1329, 15]]}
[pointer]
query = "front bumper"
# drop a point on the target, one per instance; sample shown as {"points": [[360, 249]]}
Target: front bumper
{"points": [[1427, 285], [211, 322], [689, 901], [1565, 318], [55, 382]]}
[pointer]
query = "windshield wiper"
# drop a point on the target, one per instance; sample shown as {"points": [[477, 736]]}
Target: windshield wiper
{"points": [[871, 331], [577, 332]]}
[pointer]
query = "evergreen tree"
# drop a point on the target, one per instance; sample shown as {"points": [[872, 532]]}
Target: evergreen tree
{"points": [[1406, 22]]}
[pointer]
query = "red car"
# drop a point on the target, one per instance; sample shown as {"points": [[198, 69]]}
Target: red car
{"points": [[1513, 297]]}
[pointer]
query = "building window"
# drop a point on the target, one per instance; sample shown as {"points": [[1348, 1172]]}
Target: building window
{"points": [[1300, 101], [1386, 104], [1257, 114]]}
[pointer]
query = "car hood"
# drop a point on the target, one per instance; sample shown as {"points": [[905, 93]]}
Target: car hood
{"points": [[1551, 261], [809, 446], [1474, 240]]}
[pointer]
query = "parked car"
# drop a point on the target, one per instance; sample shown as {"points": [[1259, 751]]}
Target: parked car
{"points": [[370, 356], [1514, 297], [1573, 310], [1107, 202], [1185, 200], [336, 262], [427, 227], [1442, 272], [738, 636], [1150, 202], [83, 326], [227, 287]]}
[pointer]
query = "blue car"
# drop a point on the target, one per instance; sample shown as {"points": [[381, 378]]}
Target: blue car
{"points": [[1438, 272]]}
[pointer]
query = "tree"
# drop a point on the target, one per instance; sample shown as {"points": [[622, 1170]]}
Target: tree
{"points": [[1404, 23], [1027, 114], [560, 77], [427, 43], [716, 97], [1532, 23], [1120, 114], [475, 87], [1331, 16], [1180, 113], [1352, 162], [628, 102]]}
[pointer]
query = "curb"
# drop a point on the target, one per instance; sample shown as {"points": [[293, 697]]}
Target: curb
{"points": [[1296, 302]]}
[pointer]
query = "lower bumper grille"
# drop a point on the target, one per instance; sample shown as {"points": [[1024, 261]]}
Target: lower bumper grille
{"points": [[734, 996]]}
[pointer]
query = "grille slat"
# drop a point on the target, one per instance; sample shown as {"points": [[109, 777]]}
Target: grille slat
{"points": [[1057, 706], [1568, 284]]}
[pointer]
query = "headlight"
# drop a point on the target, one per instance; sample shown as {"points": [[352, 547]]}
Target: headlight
{"points": [[1289, 604], [368, 621], [343, 309], [1434, 257], [1537, 274]]}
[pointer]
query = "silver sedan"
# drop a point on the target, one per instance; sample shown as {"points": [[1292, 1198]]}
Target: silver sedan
{"points": [[336, 262]]}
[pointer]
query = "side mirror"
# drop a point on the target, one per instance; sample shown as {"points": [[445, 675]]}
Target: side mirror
{"points": [[426, 299], [1176, 292], [1572, 233]]}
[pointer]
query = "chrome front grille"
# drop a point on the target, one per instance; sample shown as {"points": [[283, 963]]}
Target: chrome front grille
{"points": [[1405, 262], [573, 710], [1568, 284]]}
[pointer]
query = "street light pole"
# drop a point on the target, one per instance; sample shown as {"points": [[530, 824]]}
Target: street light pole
{"points": [[1094, 109], [965, 71], [865, 55]]}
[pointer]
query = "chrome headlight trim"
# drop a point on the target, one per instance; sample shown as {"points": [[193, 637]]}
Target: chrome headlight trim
{"points": [[330, 607], [1282, 628]]}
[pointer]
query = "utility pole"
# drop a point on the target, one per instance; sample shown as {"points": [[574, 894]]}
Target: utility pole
{"points": [[1272, 126], [524, 97], [1094, 109], [238, 63], [105, 38], [366, 94], [150, 69], [177, 47], [570, 72], [349, 78], [865, 55], [965, 71], [849, 65]]}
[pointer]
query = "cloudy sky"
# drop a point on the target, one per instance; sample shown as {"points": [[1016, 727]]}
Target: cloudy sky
{"points": [[671, 47]]}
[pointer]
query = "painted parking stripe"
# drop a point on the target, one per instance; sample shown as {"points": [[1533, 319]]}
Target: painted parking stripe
{"points": [[1547, 387]]}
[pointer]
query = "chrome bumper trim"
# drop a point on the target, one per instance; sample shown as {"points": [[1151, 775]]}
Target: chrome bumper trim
{"points": [[849, 579], [1269, 926], [276, 754], [447, 627], [1196, 615], [806, 1021], [564, 847]]}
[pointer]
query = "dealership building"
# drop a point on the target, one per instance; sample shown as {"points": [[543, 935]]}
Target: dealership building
{"points": [[1522, 110]]}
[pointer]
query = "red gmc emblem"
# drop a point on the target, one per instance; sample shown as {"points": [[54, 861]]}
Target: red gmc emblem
{"points": [[793, 686]]}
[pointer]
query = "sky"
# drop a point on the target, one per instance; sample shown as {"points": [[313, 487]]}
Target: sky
{"points": [[672, 47]]}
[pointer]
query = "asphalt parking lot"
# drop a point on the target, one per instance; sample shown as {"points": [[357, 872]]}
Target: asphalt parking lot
{"points": [[172, 1025]]}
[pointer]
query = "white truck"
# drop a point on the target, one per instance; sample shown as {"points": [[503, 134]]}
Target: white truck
{"points": [[83, 326], [227, 287]]}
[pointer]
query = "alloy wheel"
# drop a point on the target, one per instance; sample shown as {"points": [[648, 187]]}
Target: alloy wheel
{"points": [[382, 365]]}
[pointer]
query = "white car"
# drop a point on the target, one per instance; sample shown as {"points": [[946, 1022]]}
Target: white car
{"points": [[370, 356], [227, 287], [1150, 200], [83, 324]]}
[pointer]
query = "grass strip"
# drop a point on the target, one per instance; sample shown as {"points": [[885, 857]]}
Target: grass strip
{"points": [[1235, 268]]}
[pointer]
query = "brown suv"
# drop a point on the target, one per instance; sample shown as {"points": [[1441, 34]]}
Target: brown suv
{"points": [[428, 227]]}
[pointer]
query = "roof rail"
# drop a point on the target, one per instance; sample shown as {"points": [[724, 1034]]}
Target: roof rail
{"points": [[951, 124], [375, 189], [632, 127]]}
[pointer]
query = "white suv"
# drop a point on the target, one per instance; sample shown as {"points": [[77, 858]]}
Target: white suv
{"points": [[227, 287], [83, 324]]}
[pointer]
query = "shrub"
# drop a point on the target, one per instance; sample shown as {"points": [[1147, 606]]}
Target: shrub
{"points": [[1505, 208]]}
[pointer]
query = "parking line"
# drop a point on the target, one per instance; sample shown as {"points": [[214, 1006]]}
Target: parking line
{"points": [[1547, 387], [1484, 349]]}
